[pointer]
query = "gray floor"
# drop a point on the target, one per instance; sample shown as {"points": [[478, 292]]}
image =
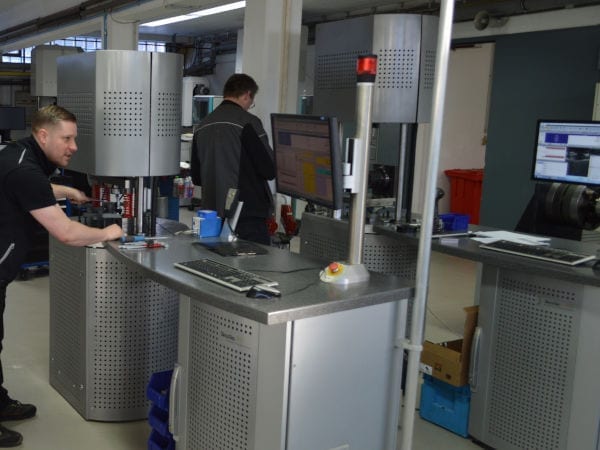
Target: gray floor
{"points": [[58, 427]]}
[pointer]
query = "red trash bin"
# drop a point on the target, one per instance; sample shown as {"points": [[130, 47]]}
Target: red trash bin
{"points": [[465, 192]]}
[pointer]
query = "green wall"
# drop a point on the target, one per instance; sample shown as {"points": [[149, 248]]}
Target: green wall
{"points": [[542, 75]]}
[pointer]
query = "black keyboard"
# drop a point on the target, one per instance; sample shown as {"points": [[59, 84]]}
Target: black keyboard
{"points": [[231, 277], [542, 252]]}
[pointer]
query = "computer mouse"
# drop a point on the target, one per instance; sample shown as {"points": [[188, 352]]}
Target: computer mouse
{"points": [[260, 291]]}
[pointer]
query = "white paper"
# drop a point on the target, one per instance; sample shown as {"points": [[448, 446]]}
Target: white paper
{"points": [[486, 237]]}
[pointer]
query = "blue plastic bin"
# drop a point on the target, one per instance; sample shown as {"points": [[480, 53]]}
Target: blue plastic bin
{"points": [[445, 405], [455, 222], [210, 225], [159, 420], [158, 389], [160, 442]]}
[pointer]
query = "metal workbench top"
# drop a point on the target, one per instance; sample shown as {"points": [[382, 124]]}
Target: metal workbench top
{"points": [[467, 248], [302, 293]]}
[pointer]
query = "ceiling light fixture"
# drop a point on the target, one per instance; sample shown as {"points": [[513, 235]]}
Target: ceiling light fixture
{"points": [[196, 14]]}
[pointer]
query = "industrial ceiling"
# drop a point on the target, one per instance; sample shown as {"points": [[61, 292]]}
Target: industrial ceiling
{"points": [[23, 18]]}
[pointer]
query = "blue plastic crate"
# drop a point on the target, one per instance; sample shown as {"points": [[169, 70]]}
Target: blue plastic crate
{"points": [[455, 222], [445, 405], [158, 389], [159, 420], [157, 441]]}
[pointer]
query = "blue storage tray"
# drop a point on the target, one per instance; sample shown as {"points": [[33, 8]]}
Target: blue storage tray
{"points": [[455, 222], [159, 420], [445, 405], [160, 442], [158, 389]]}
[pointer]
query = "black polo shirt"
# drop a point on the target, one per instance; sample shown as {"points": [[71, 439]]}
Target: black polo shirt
{"points": [[24, 186]]}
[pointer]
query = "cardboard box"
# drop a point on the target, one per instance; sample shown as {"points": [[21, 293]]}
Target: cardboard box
{"points": [[449, 361]]}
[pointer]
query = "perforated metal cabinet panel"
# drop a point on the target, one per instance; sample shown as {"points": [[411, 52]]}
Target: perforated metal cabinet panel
{"points": [[246, 385], [405, 45], [128, 107], [67, 323], [327, 239], [114, 332], [336, 52], [530, 334], [232, 387]]}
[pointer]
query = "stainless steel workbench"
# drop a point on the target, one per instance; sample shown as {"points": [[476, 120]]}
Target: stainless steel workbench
{"points": [[317, 368], [534, 374]]}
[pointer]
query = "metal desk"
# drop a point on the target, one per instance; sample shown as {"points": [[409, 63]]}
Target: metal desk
{"points": [[535, 371], [312, 369]]}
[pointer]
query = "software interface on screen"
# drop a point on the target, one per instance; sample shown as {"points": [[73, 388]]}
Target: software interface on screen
{"points": [[303, 157], [568, 152]]}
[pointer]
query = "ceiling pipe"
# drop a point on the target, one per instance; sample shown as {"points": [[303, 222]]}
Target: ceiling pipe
{"points": [[85, 10]]}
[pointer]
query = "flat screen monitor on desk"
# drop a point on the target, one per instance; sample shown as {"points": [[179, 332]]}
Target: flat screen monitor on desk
{"points": [[567, 152], [11, 118], [308, 158]]}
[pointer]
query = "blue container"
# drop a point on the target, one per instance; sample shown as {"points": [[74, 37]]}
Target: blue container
{"points": [[173, 203], [158, 389], [445, 405], [159, 420], [210, 225], [455, 222], [160, 442]]}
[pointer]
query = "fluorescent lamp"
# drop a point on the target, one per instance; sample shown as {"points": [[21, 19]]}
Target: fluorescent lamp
{"points": [[196, 14]]}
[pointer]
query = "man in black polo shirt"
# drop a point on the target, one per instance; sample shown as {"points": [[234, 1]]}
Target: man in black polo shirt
{"points": [[26, 196], [231, 150]]}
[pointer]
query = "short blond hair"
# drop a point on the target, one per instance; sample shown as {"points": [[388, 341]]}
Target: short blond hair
{"points": [[50, 115]]}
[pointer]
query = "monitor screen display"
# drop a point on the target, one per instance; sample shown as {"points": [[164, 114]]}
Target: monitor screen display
{"points": [[308, 158], [12, 118], [567, 152]]}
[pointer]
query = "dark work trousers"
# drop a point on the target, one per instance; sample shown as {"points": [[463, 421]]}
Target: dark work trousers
{"points": [[253, 229], [3, 392]]}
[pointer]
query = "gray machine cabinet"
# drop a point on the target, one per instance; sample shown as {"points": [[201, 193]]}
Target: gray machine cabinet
{"points": [[314, 383], [128, 109], [110, 329], [405, 45], [536, 371]]}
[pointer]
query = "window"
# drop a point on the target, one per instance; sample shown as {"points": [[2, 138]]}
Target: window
{"points": [[87, 43]]}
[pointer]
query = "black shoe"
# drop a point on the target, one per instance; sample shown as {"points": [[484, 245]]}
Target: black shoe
{"points": [[16, 410], [9, 438]]}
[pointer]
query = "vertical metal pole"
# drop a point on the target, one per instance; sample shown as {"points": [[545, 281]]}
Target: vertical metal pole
{"points": [[400, 177], [139, 203], [360, 163], [414, 347]]}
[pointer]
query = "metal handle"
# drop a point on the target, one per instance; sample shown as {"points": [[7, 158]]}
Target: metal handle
{"points": [[474, 363], [173, 404]]}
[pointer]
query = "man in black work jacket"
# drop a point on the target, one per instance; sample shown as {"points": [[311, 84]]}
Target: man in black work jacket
{"points": [[231, 150], [26, 196]]}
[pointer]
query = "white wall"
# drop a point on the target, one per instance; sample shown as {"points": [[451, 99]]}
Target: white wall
{"points": [[465, 121], [224, 69]]}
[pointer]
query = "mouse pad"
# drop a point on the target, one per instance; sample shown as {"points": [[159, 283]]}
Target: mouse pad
{"points": [[235, 248]]}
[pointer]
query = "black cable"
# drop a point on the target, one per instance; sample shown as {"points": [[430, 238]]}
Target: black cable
{"points": [[288, 271]]}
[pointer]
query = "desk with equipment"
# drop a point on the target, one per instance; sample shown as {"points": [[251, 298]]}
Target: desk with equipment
{"points": [[312, 368], [534, 374]]}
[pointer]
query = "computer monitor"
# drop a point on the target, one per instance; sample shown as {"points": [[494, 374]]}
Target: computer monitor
{"points": [[11, 118], [567, 152], [308, 158]]}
